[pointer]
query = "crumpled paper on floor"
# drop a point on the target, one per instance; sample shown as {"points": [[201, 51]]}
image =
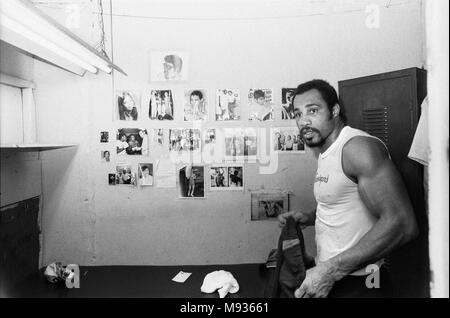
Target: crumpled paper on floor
{"points": [[222, 281]]}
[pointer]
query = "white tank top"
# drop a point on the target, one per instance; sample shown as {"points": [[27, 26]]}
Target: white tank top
{"points": [[342, 219]]}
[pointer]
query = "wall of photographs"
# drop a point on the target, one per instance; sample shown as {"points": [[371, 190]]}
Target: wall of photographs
{"points": [[208, 141], [204, 148], [192, 184]]}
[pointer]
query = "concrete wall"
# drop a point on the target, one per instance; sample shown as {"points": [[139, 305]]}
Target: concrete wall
{"points": [[85, 221]]}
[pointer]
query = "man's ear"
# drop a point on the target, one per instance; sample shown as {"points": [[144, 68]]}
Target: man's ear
{"points": [[336, 110]]}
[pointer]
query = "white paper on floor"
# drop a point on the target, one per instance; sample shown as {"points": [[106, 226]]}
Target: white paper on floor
{"points": [[181, 277]]}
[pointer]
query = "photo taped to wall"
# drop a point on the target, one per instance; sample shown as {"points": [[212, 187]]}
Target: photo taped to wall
{"points": [[158, 137], [210, 147], [195, 105], [181, 140], [191, 181], [219, 177], [287, 110], [260, 101], [125, 175], [225, 177], [111, 178], [128, 105], [287, 140], [145, 174], [105, 155], [236, 177], [104, 136], [241, 143], [268, 205], [132, 141], [169, 66], [161, 105], [228, 104]]}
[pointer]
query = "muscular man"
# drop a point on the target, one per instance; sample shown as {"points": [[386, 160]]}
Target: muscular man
{"points": [[363, 210]]}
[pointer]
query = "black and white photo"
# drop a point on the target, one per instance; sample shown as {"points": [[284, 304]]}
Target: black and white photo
{"points": [[161, 105], [268, 206], [125, 175], [236, 177], [132, 141], [210, 147], [260, 103], [287, 140], [195, 105], [241, 143], [169, 66], [191, 181], [228, 104], [226, 178], [104, 136], [219, 141], [158, 137], [105, 155], [128, 105], [287, 110], [234, 143], [219, 177], [145, 174], [181, 140], [111, 178]]}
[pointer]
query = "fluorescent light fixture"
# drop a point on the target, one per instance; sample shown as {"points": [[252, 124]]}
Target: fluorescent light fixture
{"points": [[8, 23], [20, 19]]}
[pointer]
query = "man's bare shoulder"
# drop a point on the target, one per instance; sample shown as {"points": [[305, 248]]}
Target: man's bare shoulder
{"points": [[363, 155]]}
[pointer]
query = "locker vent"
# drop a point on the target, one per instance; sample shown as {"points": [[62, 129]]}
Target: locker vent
{"points": [[375, 122]]}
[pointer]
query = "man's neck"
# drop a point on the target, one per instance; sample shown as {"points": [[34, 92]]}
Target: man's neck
{"points": [[332, 137]]}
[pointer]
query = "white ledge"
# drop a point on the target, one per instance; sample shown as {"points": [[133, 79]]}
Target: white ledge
{"points": [[35, 147]]}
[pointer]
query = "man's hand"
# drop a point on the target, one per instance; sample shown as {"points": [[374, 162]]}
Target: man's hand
{"points": [[297, 215], [318, 282]]}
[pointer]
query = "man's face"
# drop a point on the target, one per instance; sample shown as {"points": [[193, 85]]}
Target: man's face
{"points": [[289, 97], [128, 102], [313, 118], [145, 172], [260, 100], [169, 70], [106, 155], [195, 100]]}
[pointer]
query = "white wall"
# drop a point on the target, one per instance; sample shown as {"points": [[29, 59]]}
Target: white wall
{"points": [[437, 32], [87, 222]]}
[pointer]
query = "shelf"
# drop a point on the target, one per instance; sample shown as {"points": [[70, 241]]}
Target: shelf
{"points": [[35, 147]]}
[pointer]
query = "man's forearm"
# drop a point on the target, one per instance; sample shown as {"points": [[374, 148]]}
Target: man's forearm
{"points": [[375, 244], [307, 219]]}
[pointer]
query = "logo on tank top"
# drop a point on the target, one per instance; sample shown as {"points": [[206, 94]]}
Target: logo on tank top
{"points": [[321, 179]]}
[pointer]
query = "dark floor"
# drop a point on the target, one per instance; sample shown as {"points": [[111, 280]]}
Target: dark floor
{"points": [[143, 281]]}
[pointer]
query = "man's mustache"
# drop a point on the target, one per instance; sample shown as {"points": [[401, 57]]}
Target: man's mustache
{"points": [[304, 129]]}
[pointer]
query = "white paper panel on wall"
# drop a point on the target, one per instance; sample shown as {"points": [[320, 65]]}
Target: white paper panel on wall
{"points": [[11, 121]]}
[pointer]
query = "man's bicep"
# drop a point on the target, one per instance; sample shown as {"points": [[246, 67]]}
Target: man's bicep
{"points": [[379, 183], [382, 190]]}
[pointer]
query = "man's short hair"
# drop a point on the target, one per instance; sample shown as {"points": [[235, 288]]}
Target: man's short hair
{"points": [[198, 94], [328, 93], [175, 60], [258, 93]]}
